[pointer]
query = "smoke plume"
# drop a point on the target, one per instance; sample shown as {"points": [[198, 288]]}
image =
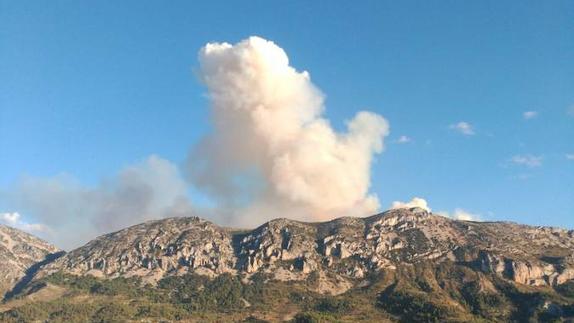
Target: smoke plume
{"points": [[75, 213], [271, 153]]}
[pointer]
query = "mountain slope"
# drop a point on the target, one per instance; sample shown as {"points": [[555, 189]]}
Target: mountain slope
{"points": [[18, 252], [403, 265], [348, 248]]}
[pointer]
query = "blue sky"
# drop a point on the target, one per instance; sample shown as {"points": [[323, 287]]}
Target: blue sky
{"points": [[89, 88]]}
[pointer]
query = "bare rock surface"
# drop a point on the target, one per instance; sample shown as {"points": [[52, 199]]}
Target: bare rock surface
{"points": [[340, 253], [19, 251], [152, 250]]}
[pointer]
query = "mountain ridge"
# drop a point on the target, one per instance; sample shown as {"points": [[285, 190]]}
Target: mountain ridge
{"points": [[173, 246], [402, 265]]}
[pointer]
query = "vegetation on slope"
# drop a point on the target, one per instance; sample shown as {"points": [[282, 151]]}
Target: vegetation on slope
{"points": [[423, 293]]}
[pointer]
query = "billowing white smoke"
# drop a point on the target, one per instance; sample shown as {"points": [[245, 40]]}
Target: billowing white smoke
{"points": [[271, 154], [72, 213], [415, 202]]}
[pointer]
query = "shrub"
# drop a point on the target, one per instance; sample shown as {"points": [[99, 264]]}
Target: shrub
{"points": [[411, 307], [333, 305], [566, 289]]}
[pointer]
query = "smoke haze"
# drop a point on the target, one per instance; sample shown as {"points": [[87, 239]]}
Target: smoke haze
{"points": [[72, 213], [270, 154]]}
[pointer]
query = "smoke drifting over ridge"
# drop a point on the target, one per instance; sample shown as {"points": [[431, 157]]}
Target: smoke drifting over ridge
{"points": [[271, 153], [457, 214], [72, 213], [415, 202]]}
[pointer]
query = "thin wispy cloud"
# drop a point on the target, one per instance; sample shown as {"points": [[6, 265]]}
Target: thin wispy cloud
{"points": [[527, 160], [404, 140], [570, 156], [530, 115], [463, 127], [570, 111]]}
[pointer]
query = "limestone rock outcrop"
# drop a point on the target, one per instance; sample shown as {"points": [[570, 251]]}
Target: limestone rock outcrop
{"points": [[345, 249]]}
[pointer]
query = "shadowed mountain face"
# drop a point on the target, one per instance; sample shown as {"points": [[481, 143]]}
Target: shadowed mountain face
{"points": [[401, 265], [19, 251]]}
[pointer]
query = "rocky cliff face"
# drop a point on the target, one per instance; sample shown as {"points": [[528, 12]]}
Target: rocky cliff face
{"points": [[18, 252], [340, 253], [154, 249]]}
